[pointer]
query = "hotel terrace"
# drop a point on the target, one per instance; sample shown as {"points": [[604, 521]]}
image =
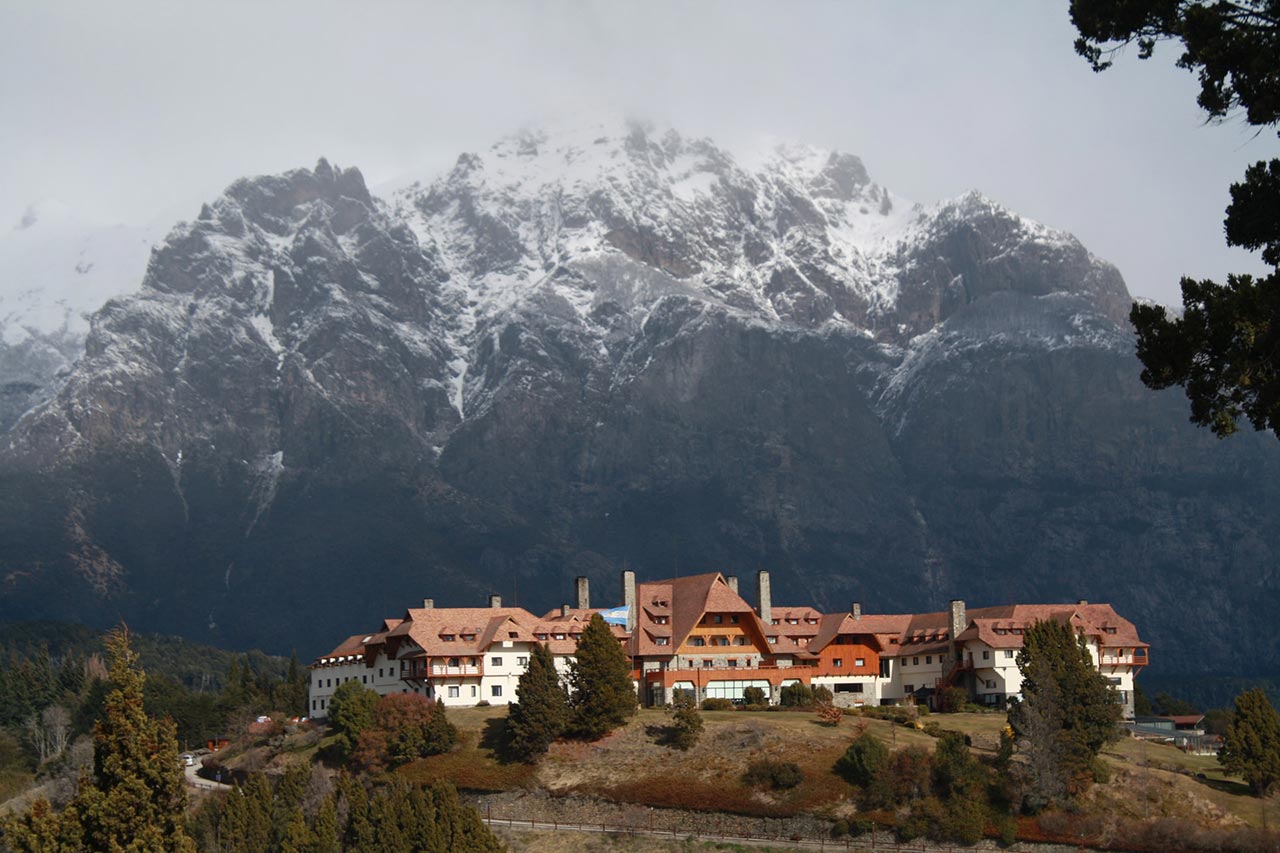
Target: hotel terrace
{"points": [[699, 634]]}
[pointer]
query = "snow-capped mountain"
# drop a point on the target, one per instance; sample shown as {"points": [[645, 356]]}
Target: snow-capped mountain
{"points": [[56, 268], [612, 344]]}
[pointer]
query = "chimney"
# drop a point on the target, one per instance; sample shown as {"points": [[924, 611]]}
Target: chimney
{"points": [[629, 598], [855, 610], [428, 603], [732, 581], [958, 620], [1082, 602], [765, 596], [495, 601], [564, 611], [584, 593]]}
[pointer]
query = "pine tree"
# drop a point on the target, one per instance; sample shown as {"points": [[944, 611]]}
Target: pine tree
{"points": [[246, 818], [137, 797], [1251, 746], [541, 712], [287, 799], [603, 695], [326, 834], [862, 760]]}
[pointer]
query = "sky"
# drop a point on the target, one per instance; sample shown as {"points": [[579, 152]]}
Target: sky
{"points": [[136, 112]]}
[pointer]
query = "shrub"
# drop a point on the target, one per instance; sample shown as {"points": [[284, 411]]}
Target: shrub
{"points": [[952, 700], [840, 829], [405, 726], [862, 759], [771, 773], [906, 776], [716, 704], [821, 695], [830, 715], [796, 696], [753, 696]]}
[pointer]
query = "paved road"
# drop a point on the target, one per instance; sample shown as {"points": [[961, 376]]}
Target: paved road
{"points": [[196, 782]]}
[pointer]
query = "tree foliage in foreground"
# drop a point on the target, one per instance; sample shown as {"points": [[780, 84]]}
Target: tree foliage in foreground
{"points": [[1225, 349], [1251, 746], [136, 798], [1067, 714], [541, 712], [603, 696]]}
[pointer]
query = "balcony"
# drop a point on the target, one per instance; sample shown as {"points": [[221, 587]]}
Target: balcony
{"points": [[438, 669]]}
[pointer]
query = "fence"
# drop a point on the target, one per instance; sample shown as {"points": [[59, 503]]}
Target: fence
{"points": [[861, 844]]}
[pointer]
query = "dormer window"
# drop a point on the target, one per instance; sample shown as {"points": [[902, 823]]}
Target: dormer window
{"points": [[512, 634], [541, 636], [448, 638], [559, 636]]}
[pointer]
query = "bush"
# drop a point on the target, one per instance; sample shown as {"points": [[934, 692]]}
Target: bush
{"points": [[907, 775], [862, 759], [821, 695], [796, 696], [771, 773], [715, 704], [840, 829], [829, 714], [752, 696], [952, 700]]}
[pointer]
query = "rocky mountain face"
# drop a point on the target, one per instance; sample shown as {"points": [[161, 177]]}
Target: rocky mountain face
{"points": [[585, 350]]}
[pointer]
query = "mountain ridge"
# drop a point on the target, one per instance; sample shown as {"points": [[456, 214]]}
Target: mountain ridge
{"points": [[570, 353]]}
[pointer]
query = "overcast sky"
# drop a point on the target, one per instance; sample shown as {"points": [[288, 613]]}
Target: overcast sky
{"points": [[131, 111]]}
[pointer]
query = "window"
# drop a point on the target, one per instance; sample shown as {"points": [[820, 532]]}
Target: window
{"points": [[364, 679], [718, 619], [928, 659], [522, 661], [453, 693], [859, 661], [733, 662], [495, 661], [773, 640], [1008, 653], [838, 663], [453, 661], [473, 691], [697, 641], [986, 655], [734, 619], [661, 641], [915, 661], [908, 688], [448, 638], [991, 685], [314, 704], [321, 704], [559, 636], [739, 641], [329, 682], [379, 672], [708, 663], [886, 667], [496, 690]]}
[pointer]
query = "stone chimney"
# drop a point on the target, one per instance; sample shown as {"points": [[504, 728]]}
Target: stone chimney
{"points": [[584, 593], [564, 610], [732, 581], [495, 601], [855, 610], [958, 620], [629, 598], [428, 603], [1082, 602], [765, 595]]}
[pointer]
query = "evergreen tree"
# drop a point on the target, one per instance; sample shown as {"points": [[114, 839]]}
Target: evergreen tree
{"points": [[137, 797], [1222, 350], [246, 817], [326, 834], [351, 712], [603, 695], [686, 725], [1068, 710], [1251, 746], [287, 799], [541, 712]]}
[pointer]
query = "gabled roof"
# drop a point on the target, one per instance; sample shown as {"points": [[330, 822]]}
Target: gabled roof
{"points": [[842, 624], [683, 601]]}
